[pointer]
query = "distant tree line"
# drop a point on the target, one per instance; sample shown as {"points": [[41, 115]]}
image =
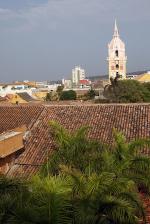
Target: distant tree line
{"points": [[118, 91]]}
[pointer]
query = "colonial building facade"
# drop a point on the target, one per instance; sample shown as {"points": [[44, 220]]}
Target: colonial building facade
{"points": [[116, 56]]}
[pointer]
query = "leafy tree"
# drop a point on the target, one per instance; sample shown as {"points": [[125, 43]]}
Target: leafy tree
{"points": [[60, 90], [68, 95], [91, 94], [48, 96], [52, 96], [127, 91], [147, 85]]}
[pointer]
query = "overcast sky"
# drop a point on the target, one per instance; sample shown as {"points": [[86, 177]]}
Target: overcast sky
{"points": [[45, 39]]}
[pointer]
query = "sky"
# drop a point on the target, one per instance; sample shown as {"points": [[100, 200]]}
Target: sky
{"points": [[45, 39]]}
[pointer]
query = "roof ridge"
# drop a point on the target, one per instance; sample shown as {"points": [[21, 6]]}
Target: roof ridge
{"points": [[94, 105], [35, 120]]}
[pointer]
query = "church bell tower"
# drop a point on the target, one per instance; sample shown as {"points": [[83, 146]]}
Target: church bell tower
{"points": [[116, 56]]}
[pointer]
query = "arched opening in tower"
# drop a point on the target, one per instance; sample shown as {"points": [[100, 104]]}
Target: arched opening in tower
{"points": [[116, 53], [117, 66]]}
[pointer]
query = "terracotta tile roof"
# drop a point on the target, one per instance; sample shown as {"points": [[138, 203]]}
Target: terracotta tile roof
{"points": [[3, 99], [25, 96], [25, 171], [68, 102], [132, 120], [15, 116]]}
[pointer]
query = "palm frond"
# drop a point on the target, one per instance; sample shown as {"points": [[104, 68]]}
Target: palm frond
{"points": [[136, 145]]}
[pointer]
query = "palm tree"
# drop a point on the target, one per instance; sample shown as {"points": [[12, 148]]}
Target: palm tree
{"points": [[100, 198], [10, 194], [47, 202], [73, 149], [126, 160], [84, 182], [114, 174]]}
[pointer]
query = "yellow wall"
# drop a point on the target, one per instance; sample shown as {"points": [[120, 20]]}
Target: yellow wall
{"points": [[40, 95], [144, 78], [15, 98], [11, 145]]}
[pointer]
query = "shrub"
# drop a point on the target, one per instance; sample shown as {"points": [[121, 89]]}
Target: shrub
{"points": [[68, 95]]}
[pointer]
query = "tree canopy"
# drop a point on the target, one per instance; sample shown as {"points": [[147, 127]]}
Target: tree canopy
{"points": [[68, 95], [82, 182], [127, 91], [60, 90], [106, 181], [48, 96], [52, 96], [91, 94]]}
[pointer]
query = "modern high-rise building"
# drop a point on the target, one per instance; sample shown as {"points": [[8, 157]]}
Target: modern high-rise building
{"points": [[116, 56], [77, 74]]}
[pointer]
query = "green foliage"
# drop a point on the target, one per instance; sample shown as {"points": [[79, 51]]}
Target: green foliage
{"points": [[147, 85], [74, 150], [68, 95], [48, 202], [52, 96], [127, 91], [91, 94], [60, 90], [105, 182], [44, 201], [10, 197], [97, 200], [48, 96], [82, 182]]}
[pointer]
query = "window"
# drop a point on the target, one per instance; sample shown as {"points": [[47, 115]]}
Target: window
{"points": [[117, 66], [116, 53]]}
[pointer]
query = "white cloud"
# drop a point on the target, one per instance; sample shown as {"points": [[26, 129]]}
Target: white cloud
{"points": [[4, 11], [56, 12], [6, 14]]}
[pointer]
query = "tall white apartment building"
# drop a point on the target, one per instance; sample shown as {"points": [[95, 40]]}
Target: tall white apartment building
{"points": [[77, 74]]}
